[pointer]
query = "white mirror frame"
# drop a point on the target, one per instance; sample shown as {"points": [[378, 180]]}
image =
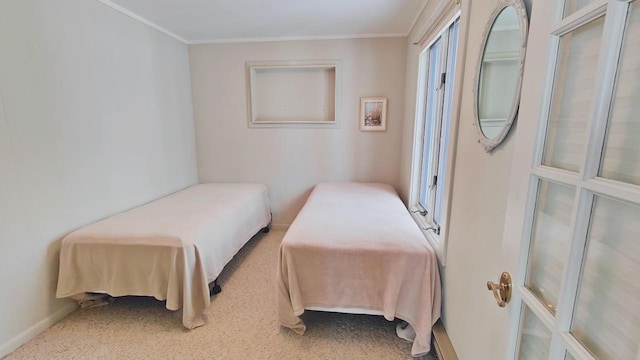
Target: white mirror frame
{"points": [[523, 23]]}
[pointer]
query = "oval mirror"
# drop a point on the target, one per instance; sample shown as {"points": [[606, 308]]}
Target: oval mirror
{"points": [[500, 72]]}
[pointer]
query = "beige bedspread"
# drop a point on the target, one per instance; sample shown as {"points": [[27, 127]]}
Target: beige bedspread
{"points": [[170, 248], [355, 245]]}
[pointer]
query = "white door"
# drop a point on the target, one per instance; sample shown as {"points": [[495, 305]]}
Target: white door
{"points": [[572, 234]]}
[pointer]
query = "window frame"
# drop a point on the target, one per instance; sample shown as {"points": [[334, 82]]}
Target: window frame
{"points": [[436, 234]]}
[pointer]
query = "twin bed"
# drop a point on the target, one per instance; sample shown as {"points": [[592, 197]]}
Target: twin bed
{"points": [[352, 248], [170, 248], [355, 248]]}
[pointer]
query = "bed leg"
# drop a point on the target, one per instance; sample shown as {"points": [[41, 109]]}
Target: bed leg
{"points": [[214, 288], [265, 230]]}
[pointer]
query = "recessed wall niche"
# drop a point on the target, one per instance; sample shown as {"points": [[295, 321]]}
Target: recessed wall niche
{"points": [[293, 93]]}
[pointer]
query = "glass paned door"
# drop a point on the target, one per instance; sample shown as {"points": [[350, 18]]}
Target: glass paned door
{"points": [[550, 242], [622, 151], [607, 318], [571, 6], [536, 338], [580, 296], [573, 93]]}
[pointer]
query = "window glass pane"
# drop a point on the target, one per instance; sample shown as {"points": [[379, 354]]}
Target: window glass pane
{"points": [[572, 6], [572, 95], [433, 77], [607, 315], [621, 159], [446, 120], [550, 242], [535, 338]]}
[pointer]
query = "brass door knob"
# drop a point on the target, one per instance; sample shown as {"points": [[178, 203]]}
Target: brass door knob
{"points": [[501, 291]]}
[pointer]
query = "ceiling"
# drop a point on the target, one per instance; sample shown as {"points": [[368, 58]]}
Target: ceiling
{"points": [[221, 21]]}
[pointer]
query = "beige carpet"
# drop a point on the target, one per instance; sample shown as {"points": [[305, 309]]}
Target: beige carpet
{"points": [[241, 325]]}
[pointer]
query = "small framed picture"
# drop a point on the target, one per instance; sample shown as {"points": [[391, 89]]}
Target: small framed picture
{"points": [[373, 114]]}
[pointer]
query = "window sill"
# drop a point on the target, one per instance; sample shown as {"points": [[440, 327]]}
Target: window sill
{"points": [[435, 241]]}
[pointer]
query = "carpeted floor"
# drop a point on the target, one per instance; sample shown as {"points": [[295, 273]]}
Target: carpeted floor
{"points": [[241, 325]]}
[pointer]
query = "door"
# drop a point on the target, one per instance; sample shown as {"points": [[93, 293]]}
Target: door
{"points": [[572, 233]]}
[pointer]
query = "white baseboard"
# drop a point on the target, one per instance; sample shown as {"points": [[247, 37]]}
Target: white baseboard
{"points": [[442, 343], [30, 333]]}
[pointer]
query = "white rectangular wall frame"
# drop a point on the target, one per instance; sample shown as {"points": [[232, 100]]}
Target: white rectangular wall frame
{"points": [[294, 93]]}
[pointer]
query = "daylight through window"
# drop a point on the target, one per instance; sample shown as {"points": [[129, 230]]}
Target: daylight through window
{"points": [[433, 123]]}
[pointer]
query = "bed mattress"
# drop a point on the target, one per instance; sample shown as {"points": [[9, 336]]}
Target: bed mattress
{"points": [[355, 246], [170, 248]]}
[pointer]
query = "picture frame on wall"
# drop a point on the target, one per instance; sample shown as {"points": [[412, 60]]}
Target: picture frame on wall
{"points": [[373, 113]]}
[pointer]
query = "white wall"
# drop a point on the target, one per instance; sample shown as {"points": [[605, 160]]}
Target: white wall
{"points": [[478, 204], [290, 161], [95, 118]]}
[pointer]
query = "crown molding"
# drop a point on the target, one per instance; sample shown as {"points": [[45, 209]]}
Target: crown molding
{"points": [[155, 26], [415, 20], [143, 20], [295, 38]]}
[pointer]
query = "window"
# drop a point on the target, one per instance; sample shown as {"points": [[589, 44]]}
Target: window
{"points": [[433, 123]]}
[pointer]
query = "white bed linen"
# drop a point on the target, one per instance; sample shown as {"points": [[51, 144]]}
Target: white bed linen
{"points": [[170, 248], [355, 247]]}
